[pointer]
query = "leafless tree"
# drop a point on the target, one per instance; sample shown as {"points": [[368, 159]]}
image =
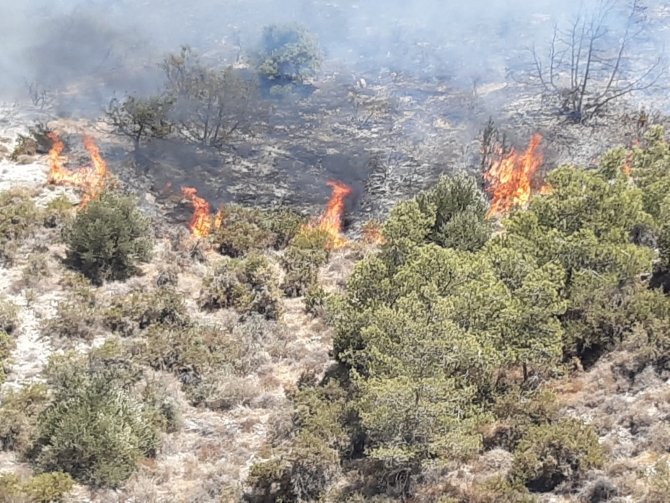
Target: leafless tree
{"points": [[39, 95], [589, 64]]}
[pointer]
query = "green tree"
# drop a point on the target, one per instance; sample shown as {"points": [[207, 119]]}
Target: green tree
{"points": [[289, 53], [96, 429], [108, 238]]}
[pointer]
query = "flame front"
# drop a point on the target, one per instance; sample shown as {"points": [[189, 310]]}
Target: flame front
{"points": [[90, 179], [331, 221], [510, 179]]}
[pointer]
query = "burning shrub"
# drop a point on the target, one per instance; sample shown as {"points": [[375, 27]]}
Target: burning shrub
{"points": [[307, 252], [108, 238], [289, 53], [97, 428], [555, 453], [248, 285], [18, 416]]}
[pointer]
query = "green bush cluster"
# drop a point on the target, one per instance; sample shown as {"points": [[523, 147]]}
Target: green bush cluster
{"points": [[445, 337], [289, 53], [247, 229], [98, 425], [7, 345], [248, 285], [19, 219], [306, 253], [108, 238], [19, 410], [52, 487]]}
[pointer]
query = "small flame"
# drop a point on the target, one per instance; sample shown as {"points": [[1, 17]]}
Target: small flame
{"points": [[546, 189], [509, 179], [331, 221], [90, 179]]}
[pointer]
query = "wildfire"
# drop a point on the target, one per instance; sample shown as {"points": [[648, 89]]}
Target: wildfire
{"points": [[91, 179], [509, 179], [202, 222], [331, 221]]}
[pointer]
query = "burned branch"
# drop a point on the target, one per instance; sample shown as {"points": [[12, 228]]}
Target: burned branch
{"points": [[40, 96], [589, 65]]}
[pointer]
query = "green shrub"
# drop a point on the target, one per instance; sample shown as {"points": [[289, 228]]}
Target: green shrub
{"points": [[18, 416], [7, 345], [73, 320], [9, 316], [49, 487], [242, 230], [314, 467], [316, 300], [140, 310], [306, 253], [11, 488], [270, 481], [551, 454], [108, 238], [19, 219], [58, 211], [248, 285], [96, 429], [35, 270], [289, 53], [460, 213]]}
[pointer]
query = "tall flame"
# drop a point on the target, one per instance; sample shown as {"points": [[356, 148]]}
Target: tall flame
{"points": [[510, 179], [201, 222], [90, 179], [331, 220]]}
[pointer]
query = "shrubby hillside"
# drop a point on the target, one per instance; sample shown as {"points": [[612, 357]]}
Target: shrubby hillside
{"points": [[466, 359]]}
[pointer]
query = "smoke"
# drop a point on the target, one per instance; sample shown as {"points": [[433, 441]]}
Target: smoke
{"points": [[116, 44]]}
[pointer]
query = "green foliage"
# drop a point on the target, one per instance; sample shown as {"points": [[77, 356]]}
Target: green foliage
{"points": [[554, 453], [140, 118], [18, 416], [307, 252], [49, 487], [96, 428], [140, 310], [270, 481], [289, 53], [7, 345], [460, 213], [248, 285], [73, 320], [19, 219], [9, 316], [108, 238]]}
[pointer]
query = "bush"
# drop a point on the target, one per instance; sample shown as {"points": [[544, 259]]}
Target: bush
{"points": [[49, 487], [289, 53], [248, 285], [73, 320], [307, 252], [35, 270], [140, 310], [9, 316], [7, 345], [555, 453], [460, 211], [314, 467], [270, 481], [96, 429], [108, 238], [18, 416], [19, 218]]}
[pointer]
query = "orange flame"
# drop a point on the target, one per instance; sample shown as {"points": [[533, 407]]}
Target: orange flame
{"points": [[201, 223], [509, 179], [331, 221], [91, 181]]}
